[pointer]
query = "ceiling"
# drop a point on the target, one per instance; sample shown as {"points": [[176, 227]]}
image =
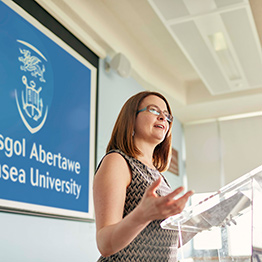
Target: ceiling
{"points": [[160, 60]]}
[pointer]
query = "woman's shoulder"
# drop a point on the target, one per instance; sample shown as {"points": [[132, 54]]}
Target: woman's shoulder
{"points": [[115, 166], [119, 155], [114, 158]]}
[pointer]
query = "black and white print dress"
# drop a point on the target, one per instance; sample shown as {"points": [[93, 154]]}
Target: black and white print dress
{"points": [[152, 244]]}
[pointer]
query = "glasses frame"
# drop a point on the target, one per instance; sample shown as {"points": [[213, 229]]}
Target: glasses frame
{"points": [[157, 112]]}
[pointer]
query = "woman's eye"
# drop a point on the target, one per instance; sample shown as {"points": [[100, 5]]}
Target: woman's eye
{"points": [[154, 111]]}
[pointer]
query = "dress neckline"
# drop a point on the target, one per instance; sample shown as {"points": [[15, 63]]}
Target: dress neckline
{"points": [[147, 167]]}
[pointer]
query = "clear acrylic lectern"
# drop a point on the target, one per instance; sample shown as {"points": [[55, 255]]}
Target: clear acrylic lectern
{"points": [[229, 221]]}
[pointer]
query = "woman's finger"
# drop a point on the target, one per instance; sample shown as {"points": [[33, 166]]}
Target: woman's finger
{"points": [[186, 196], [174, 193]]}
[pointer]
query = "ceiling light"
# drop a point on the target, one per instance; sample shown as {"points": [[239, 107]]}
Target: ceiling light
{"points": [[224, 56], [219, 38]]}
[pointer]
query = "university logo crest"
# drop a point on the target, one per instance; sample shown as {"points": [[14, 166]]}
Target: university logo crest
{"points": [[29, 96]]}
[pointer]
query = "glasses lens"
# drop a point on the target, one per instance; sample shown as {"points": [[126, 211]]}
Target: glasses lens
{"points": [[169, 118], [156, 111]]}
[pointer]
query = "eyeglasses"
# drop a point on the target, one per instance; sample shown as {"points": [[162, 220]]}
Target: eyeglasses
{"points": [[156, 111]]}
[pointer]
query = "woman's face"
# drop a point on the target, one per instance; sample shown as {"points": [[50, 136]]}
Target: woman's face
{"points": [[150, 127]]}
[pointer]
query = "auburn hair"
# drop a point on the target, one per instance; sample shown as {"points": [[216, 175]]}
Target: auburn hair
{"points": [[122, 134]]}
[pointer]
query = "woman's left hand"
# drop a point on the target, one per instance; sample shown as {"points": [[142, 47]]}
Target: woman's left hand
{"points": [[160, 207]]}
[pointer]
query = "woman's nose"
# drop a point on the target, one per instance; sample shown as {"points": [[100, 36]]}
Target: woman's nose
{"points": [[162, 116]]}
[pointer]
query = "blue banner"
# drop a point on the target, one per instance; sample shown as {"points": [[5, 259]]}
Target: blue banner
{"points": [[45, 121]]}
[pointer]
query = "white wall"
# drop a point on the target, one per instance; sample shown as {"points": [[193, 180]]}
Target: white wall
{"points": [[178, 144], [26, 238], [219, 152]]}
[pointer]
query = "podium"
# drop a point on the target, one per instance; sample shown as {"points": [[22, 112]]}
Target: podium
{"points": [[225, 226]]}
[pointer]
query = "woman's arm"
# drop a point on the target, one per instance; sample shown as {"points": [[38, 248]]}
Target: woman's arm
{"points": [[110, 183], [113, 231]]}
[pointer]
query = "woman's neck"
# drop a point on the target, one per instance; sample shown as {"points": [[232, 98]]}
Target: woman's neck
{"points": [[146, 156]]}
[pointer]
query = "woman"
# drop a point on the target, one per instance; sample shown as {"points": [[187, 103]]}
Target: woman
{"points": [[131, 197]]}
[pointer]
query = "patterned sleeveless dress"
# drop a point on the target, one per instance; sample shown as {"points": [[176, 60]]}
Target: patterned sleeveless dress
{"points": [[153, 244]]}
